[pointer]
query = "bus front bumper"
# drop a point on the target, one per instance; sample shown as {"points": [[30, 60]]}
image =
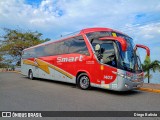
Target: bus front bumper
{"points": [[126, 85]]}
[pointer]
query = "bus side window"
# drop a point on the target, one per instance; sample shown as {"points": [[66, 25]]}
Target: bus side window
{"points": [[49, 49], [27, 54], [39, 51], [78, 45], [24, 55]]}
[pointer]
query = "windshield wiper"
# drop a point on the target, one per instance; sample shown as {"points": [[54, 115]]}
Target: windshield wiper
{"points": [[127, 68]]}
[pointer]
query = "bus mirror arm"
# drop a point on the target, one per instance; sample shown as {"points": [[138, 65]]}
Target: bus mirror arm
{"points": [[119, 39], [144, 47]]}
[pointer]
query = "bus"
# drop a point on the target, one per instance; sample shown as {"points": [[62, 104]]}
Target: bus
{"points": [[92, 57]]}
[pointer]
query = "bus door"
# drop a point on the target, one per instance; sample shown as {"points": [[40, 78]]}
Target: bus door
{"points": [[106, 54]]}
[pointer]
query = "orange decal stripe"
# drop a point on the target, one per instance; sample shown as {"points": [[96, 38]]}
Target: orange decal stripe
{"points": [[61, 71], [29, 62], [45, 66]]}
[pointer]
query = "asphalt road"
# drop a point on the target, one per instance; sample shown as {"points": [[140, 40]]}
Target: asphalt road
{"points": [[18, 93]]}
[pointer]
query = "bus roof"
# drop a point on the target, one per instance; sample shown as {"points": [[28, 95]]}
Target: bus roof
{"points": [[83, 31], [88, 30]]}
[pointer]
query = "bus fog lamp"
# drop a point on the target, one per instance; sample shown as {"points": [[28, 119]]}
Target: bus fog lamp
{"points": [[127, 86]]}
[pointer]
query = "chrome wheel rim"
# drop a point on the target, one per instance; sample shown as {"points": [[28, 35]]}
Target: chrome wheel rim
{"points": [[84, 82]]}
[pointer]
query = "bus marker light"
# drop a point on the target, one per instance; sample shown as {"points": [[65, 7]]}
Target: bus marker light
{"points": [[102, 67]]}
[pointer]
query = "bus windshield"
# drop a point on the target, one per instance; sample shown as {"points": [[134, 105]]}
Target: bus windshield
{"points": [[129, 59]]}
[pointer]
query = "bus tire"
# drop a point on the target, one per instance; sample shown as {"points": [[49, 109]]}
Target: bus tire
{"points": [[83, 81], [30, 75]]}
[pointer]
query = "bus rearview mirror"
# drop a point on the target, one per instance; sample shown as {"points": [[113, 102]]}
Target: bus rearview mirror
{"points": [[122, 41], [143, 47]]}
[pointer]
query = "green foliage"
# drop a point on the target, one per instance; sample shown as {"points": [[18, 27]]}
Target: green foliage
{"points": [[150, 66], [14, 41], [1, 59], [2, 63]]}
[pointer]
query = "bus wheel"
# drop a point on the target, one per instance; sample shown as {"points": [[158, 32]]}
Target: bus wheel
{"points": [[83, 81], [30, 74]]}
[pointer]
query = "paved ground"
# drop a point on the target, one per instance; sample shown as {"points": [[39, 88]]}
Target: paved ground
{"points": [[21, 94]]}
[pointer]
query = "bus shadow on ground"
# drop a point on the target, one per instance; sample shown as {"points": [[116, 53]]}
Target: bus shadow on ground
{"points": [[105, 91], [120, 93]]}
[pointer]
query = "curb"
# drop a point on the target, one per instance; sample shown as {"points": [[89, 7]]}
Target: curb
{"points": [[12, 72], [150, 90]]}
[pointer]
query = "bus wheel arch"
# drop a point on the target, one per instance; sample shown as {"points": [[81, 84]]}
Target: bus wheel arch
{"points": [[30, 74], [83, 80]]}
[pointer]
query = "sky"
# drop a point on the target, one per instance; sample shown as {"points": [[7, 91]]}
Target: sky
{"points": [[140, 19]]}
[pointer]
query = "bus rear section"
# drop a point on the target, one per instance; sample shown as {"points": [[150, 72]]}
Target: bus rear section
{"points": [[94, 57]]}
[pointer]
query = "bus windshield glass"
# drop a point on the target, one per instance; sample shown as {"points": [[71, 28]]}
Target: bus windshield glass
{"points": [[129, 59]]}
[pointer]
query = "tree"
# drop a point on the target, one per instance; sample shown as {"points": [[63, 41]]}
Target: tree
{"points": [[150, 66], [1, 59], [14, 41], [2, 64]]}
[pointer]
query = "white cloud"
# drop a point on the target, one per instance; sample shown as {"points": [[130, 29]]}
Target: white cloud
{"points": [[148, 35], [55, 17], [75, 13]]}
